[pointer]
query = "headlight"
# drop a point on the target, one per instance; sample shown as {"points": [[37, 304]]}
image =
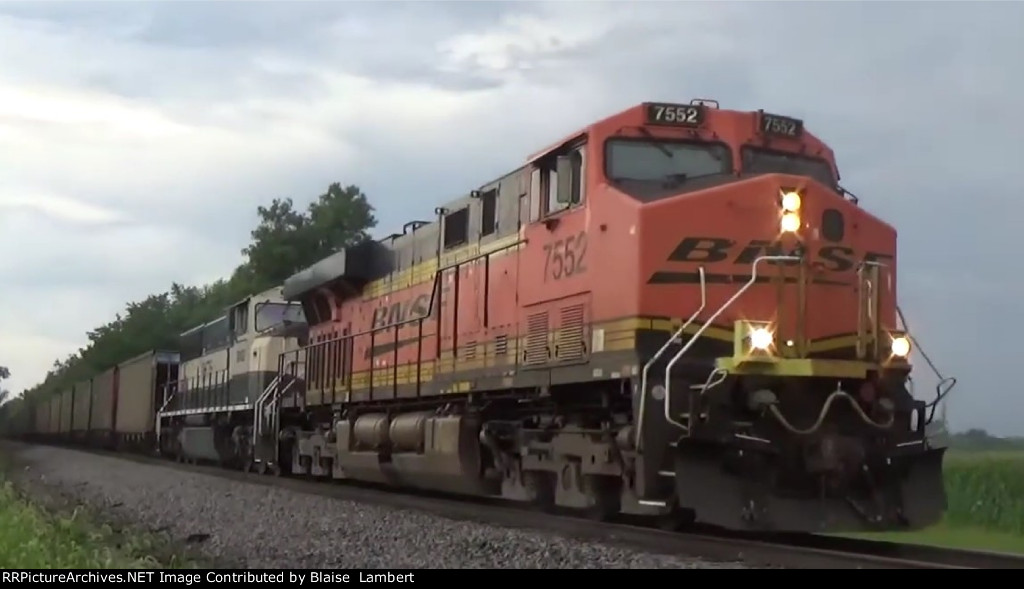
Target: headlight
{"points": [[790, 222], [900, 346], [791, 201], [761, 338]]}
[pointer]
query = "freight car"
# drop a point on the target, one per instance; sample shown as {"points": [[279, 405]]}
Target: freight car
{"points": [[81, 406], [675, 312], [112, 410]]}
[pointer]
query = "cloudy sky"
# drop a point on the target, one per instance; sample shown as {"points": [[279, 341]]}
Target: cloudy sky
{"points": [[136, 140]]}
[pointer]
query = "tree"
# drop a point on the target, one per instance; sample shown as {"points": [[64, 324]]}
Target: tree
{"points": [[286, 240], [10, 409], [4, 375], [341, 217]]}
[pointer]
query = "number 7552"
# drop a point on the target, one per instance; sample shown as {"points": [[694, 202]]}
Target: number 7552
{"points": [[565, 257]]}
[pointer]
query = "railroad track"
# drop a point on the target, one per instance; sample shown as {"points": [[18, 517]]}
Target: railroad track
{"points": [[764, 550]]}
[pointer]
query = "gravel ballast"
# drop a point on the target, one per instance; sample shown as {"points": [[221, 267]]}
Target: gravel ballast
{"points": [[249, 525]]}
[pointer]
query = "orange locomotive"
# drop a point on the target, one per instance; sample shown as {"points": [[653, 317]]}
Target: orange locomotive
{"points": [[675, 312]]}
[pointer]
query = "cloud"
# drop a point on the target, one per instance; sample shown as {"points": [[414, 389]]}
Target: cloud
{"points": [[58, 207], [138, 138]]}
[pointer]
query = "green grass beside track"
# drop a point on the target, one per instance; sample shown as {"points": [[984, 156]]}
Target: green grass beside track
{"points": [[50, 534], [31, 537], [985, 490]]}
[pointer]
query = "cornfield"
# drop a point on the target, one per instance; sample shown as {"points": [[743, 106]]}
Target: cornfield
{"points": [[986, 490]]}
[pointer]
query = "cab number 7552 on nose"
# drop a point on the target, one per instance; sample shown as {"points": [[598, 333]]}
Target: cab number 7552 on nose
{"points": [[565, 257]]}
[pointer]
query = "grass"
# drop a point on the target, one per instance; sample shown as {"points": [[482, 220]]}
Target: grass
{"points": [[985, 491], [31, 537], [58, 536], [954, 536]]}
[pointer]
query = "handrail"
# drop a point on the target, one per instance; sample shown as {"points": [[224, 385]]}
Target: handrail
{"points": [[707, 323], [274, 405], [643, 379], [185, 385], [159, 418], [166, 403], [267, 391], [945, 384], [715, 378], [868, 305], [257, 408], [430, 306], [215, 379], [433, 307], [160, 413], [257, 414], [435, 293]]}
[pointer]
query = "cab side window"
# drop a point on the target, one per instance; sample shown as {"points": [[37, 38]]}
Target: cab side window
{"points": [[557, 182], [240, 320]]}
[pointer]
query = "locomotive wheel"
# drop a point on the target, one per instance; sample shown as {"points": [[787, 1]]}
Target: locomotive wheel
{"points": [[677, 520], [297, 461], [606, 494], [245, 460], [542, 487]]}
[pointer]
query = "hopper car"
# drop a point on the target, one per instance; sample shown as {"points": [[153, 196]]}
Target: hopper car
{"points": [[676, 312], [112, 410]]}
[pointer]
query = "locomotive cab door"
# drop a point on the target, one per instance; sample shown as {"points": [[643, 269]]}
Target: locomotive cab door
{"points": [[261, 357], [240, 376], [558, 225], [554, 291], [258, 372]]}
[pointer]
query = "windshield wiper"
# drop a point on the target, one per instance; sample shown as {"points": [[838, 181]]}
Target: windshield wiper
{"points": [[654, 141]]}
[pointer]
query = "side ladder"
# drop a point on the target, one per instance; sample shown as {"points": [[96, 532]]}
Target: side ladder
{"points": [[869, 333], [266, 418], [161, 413]]}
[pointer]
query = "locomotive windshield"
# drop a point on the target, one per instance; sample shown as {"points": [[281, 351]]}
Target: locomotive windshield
{"points": [[270, 315], [661, 161], [764, 161]]}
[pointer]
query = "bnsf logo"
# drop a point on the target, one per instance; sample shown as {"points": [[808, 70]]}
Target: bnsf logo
{"points": [[400, 311], [710, 250]]}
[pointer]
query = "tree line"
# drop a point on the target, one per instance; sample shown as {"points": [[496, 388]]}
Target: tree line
{"points": [[285, 240]]}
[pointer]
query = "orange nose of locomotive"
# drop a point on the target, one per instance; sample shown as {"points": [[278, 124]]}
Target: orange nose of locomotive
{"points": [[778, 250]]}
